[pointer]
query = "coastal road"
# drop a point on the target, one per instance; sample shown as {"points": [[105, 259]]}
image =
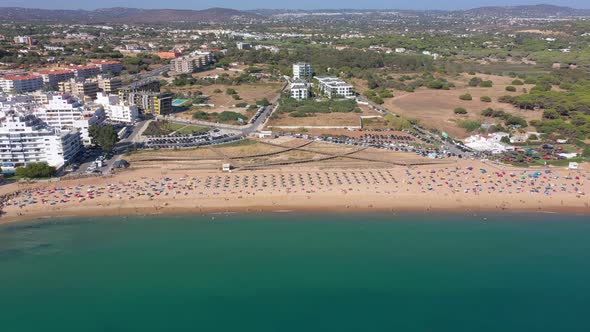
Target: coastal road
{"points": [[448, 146]]}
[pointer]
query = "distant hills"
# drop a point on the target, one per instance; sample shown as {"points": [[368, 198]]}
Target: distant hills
{"points": [[122, 15], [220, 15], [529, 11]]}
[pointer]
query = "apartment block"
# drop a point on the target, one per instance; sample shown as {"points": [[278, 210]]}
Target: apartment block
{"points": [[81, 88], [85, 71], [20, 84], [115, 110], [190, 64], [154, 103], [333, 87], [65, 112], [109, 84], [105, 66], [300, 90], [25, 139], [54, 76], [24, 40], [302, 70]]}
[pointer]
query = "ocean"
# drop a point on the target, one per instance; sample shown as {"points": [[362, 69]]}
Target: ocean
{"points": [[297, 272]]}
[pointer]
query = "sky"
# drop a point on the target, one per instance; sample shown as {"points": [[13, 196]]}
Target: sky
{"points": [[273, 4]]}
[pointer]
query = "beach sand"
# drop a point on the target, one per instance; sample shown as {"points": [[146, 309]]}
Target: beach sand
{"points": [[468, 185]]}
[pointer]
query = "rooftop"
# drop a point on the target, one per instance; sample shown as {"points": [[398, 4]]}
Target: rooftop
{"points": [[20, 77]]}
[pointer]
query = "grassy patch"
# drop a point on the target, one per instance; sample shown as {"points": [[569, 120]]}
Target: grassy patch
{"points": [[469, 125]]}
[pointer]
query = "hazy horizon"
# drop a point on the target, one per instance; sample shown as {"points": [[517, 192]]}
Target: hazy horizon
{"points": [[269, 4]]}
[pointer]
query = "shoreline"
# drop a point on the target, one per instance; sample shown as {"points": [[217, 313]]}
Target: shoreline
{"points": [[466, 187], [147, 210]]}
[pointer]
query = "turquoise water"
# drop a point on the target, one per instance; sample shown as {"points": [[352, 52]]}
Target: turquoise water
{"points": [[297, 273]]}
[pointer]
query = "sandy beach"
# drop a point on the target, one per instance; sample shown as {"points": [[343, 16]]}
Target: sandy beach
{"points": [[465, 186]]}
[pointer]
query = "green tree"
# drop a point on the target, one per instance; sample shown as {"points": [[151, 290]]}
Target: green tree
{"points": [[35, 170], [485, 99], [460, 110], [103, 136]]}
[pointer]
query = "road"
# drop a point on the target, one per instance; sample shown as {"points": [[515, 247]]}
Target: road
{"points": [[448, 146]]}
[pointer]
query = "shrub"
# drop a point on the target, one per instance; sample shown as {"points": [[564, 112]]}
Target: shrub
{"points": [[263, 102], [517, 82], [550, 114], [506, 99], [510, 88], [217, 91], [486, 84], [513, 120], [230, 116], [201, 115], [466, 96], [485, 99], [460, 110], [236, 97], [435, 85], [474, 81], [231, 92], [469, 125]]}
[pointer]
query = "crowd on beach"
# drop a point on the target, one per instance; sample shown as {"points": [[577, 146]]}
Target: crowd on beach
{"points": [[454, 180]]}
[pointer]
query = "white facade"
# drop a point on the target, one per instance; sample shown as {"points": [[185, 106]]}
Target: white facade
{"points": [[333, 87], [116, 111], [64, 112], [20, 84], [491, 143], [16, 102], [302, 70], [25, 139], [300, 90]]}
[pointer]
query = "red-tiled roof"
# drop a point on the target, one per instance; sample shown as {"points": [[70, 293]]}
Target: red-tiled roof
{"points": [[54, 72], [20, 78]]}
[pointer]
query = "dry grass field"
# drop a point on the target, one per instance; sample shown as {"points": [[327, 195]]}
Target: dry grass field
{"points": [[434, 108], [324, 119]]}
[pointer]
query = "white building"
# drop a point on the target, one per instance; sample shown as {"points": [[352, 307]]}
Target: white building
{"points": [[300, 90], [105, 66], [115, 110], [20, 84], [64, 112], [16, 102], [333, 87], [302, 70], [243, 46], [490, 143], [25, 139]]}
